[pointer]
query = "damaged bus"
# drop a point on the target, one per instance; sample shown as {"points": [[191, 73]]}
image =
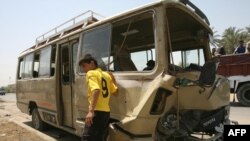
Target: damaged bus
{"points": [[160, 56]]}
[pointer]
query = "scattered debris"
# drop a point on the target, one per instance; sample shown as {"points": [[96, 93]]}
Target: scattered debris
{"points": [[7, 115]]}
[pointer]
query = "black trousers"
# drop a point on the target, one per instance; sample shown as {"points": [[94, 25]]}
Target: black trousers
{"points": [[99, 129]]}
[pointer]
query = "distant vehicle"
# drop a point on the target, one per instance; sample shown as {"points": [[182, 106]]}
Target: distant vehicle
{"points": [[180, 97], [236, 68], [2, 92]]}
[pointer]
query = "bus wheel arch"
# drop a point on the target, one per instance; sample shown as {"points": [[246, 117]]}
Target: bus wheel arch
{"points": [[32, 106], [110, 134], [243, 94], [37, 121]]}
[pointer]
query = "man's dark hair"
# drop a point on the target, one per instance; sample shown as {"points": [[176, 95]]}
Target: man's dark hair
{"points": [[222, 51], [87, 59], [151, 63]]}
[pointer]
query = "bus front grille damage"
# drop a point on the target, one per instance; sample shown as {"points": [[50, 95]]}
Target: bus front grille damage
{"points": [[200, 110], [192, 124]]}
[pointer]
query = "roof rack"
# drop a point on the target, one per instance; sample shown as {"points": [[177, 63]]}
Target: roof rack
{"points": [[77, 22], [196, 10]]}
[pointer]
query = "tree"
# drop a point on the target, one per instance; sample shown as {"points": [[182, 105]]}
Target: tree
{"points": [[248, 29], [231, 37], [216, 38], [248, 33]]}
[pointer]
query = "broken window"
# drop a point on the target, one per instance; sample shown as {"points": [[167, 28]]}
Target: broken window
{"points": [[124, 45], [97, 43], [133, 43]]}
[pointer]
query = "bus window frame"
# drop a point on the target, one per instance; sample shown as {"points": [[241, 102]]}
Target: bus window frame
{"points": [[53, 46], [20, 72], [36, 53], [79, 54], [31, 75], [111, 23], [20, 68], [44, 48], [67, 46], [154, 24]]}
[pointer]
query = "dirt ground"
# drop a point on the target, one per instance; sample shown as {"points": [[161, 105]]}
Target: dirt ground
{"points": [[17, 126], [9, 129]]}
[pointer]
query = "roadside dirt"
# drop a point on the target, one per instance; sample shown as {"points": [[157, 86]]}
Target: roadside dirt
{"points": [[9, 129], [17, 126]]}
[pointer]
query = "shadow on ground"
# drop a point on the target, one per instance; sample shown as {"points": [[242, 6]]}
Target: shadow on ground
{"points": [[236, 104], [57, 134]]}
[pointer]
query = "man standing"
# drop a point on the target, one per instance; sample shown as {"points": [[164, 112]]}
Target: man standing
{"points": [[241, 48], [100, 86]]}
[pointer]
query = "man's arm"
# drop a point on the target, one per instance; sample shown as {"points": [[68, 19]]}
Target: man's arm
{"points": [[114, 83], [90, 115], [95, 95]]}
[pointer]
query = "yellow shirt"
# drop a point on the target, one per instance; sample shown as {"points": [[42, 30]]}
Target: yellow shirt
{"points": [[98, 79]]}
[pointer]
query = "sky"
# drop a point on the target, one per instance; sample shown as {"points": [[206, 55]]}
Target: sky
{"points": [[22, 21]]}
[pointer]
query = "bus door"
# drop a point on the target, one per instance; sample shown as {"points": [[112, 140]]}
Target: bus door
{"points": [[68, 60]]}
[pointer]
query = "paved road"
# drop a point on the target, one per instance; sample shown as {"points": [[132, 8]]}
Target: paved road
{"points": [[240, 113], [9, 97]]}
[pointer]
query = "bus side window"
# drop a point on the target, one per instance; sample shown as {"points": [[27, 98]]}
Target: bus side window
{"points": [[144, 59], [53, 60], [66, 72], [52, 71], [28, 69], [36, 64], [123, 61], [131, 39], [65, 65], [20, 68], [45, 60]]}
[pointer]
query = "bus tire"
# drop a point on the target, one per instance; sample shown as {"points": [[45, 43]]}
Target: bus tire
{"points": [[37, 121], [243, 94]]}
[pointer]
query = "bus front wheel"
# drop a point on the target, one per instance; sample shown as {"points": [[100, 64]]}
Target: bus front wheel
{"points": [[37, 121]]}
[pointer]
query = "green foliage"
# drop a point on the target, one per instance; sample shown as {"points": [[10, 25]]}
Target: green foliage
{"points": [[231, 37]]}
